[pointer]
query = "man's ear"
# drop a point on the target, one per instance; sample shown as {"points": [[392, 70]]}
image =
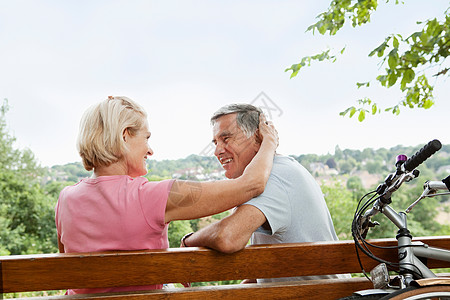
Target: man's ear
{"points": [[258, 138]]}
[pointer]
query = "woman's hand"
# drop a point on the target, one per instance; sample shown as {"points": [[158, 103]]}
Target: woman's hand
{"points": [[267, 131]]}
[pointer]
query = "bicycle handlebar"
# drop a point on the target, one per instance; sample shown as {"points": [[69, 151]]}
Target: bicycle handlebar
{"points": [[435, 186], [405, 172], [423, 154], [446, 181]]}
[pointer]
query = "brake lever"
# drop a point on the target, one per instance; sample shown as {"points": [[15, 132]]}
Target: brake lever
{"points": [[366, 225], [430, 190], [397, 181], [424, 194]]}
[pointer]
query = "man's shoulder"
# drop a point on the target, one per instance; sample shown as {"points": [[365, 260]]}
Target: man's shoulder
{"points": [[288, 171], [282, 160], [283, 163]]}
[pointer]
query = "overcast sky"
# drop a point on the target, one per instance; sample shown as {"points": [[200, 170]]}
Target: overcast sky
{"points": [[182, 60]]}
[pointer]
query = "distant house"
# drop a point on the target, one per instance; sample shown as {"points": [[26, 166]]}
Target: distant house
{"points": [[444, 169], [368, 180], [198, 173], [322, 169], [189, 173]]}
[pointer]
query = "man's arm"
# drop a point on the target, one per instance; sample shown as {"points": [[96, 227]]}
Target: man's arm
{"points": [[230, 234]]}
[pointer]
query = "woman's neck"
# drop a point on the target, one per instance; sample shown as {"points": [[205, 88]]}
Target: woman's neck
{"points": [[116, 168]]}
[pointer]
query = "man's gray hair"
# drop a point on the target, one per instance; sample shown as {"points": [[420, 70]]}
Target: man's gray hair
{"points": [[247, 116]]}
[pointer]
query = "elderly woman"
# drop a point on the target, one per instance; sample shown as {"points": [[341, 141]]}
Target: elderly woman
{"points": [[117, 209]]}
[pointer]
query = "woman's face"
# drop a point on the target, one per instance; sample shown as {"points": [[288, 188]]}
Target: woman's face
{"points": [[138, 151]]}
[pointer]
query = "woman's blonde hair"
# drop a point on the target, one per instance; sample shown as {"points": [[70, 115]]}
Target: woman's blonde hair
{"points": [[100, 139]]}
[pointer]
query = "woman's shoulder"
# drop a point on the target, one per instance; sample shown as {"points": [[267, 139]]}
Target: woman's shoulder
{"points": [[89, 182], [143, 182], [116, 181]]}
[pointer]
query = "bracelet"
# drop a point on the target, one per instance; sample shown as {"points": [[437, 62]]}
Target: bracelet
{"points": [[185, 237]]}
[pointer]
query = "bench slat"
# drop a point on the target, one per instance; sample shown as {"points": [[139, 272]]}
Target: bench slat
{"points": [[310, 289], [89, 270]]}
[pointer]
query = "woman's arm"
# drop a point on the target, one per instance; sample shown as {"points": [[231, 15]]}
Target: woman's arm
{"points": [[193, 199], [60, 245]]}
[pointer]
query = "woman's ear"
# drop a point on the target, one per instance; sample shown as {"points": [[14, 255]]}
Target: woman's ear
{"points": [[125, 134]]}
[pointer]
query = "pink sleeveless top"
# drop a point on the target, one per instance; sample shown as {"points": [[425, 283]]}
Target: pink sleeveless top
{"points": [[113, 213]]}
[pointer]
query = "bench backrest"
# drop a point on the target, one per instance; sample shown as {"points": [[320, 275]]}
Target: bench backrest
{"points": [[89, 270]]}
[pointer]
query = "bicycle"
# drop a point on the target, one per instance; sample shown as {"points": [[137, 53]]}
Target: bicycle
{"points": [[414, 280]]}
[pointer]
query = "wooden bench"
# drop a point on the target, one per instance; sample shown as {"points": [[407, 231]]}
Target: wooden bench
{"points": [[21, 273]]}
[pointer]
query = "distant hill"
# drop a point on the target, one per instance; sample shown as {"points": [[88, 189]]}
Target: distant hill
{"points": [[369, 164], [193, 167]]}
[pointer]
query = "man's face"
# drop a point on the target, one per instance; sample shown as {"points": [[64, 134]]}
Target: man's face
{"points": [[233, 149]]}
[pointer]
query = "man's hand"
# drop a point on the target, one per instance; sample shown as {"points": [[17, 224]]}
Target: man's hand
{"points": [[182, 245], [245, 281]]}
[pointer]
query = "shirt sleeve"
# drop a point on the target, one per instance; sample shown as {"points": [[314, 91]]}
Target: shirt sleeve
{"points": [[275, 205]]}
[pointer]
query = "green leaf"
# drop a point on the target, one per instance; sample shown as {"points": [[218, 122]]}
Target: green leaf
{"points": [[360, 84], [295, 68], [365, 101], [352, 111], [362, 115], [432, 27], [311, 28], [343, 113], [392, 79], [306, 61], [412, 58], [322, 29], [396, 110], [374, 109], [408, 76], [382, 79], [380, 49], [393, 59], [428, 103], [395, 43], [424, 38]]}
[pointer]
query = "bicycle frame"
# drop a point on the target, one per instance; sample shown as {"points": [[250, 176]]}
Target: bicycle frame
{"points": [[408, 251]]}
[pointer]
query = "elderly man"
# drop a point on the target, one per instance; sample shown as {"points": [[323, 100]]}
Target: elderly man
{"points": [[292, 208]]}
